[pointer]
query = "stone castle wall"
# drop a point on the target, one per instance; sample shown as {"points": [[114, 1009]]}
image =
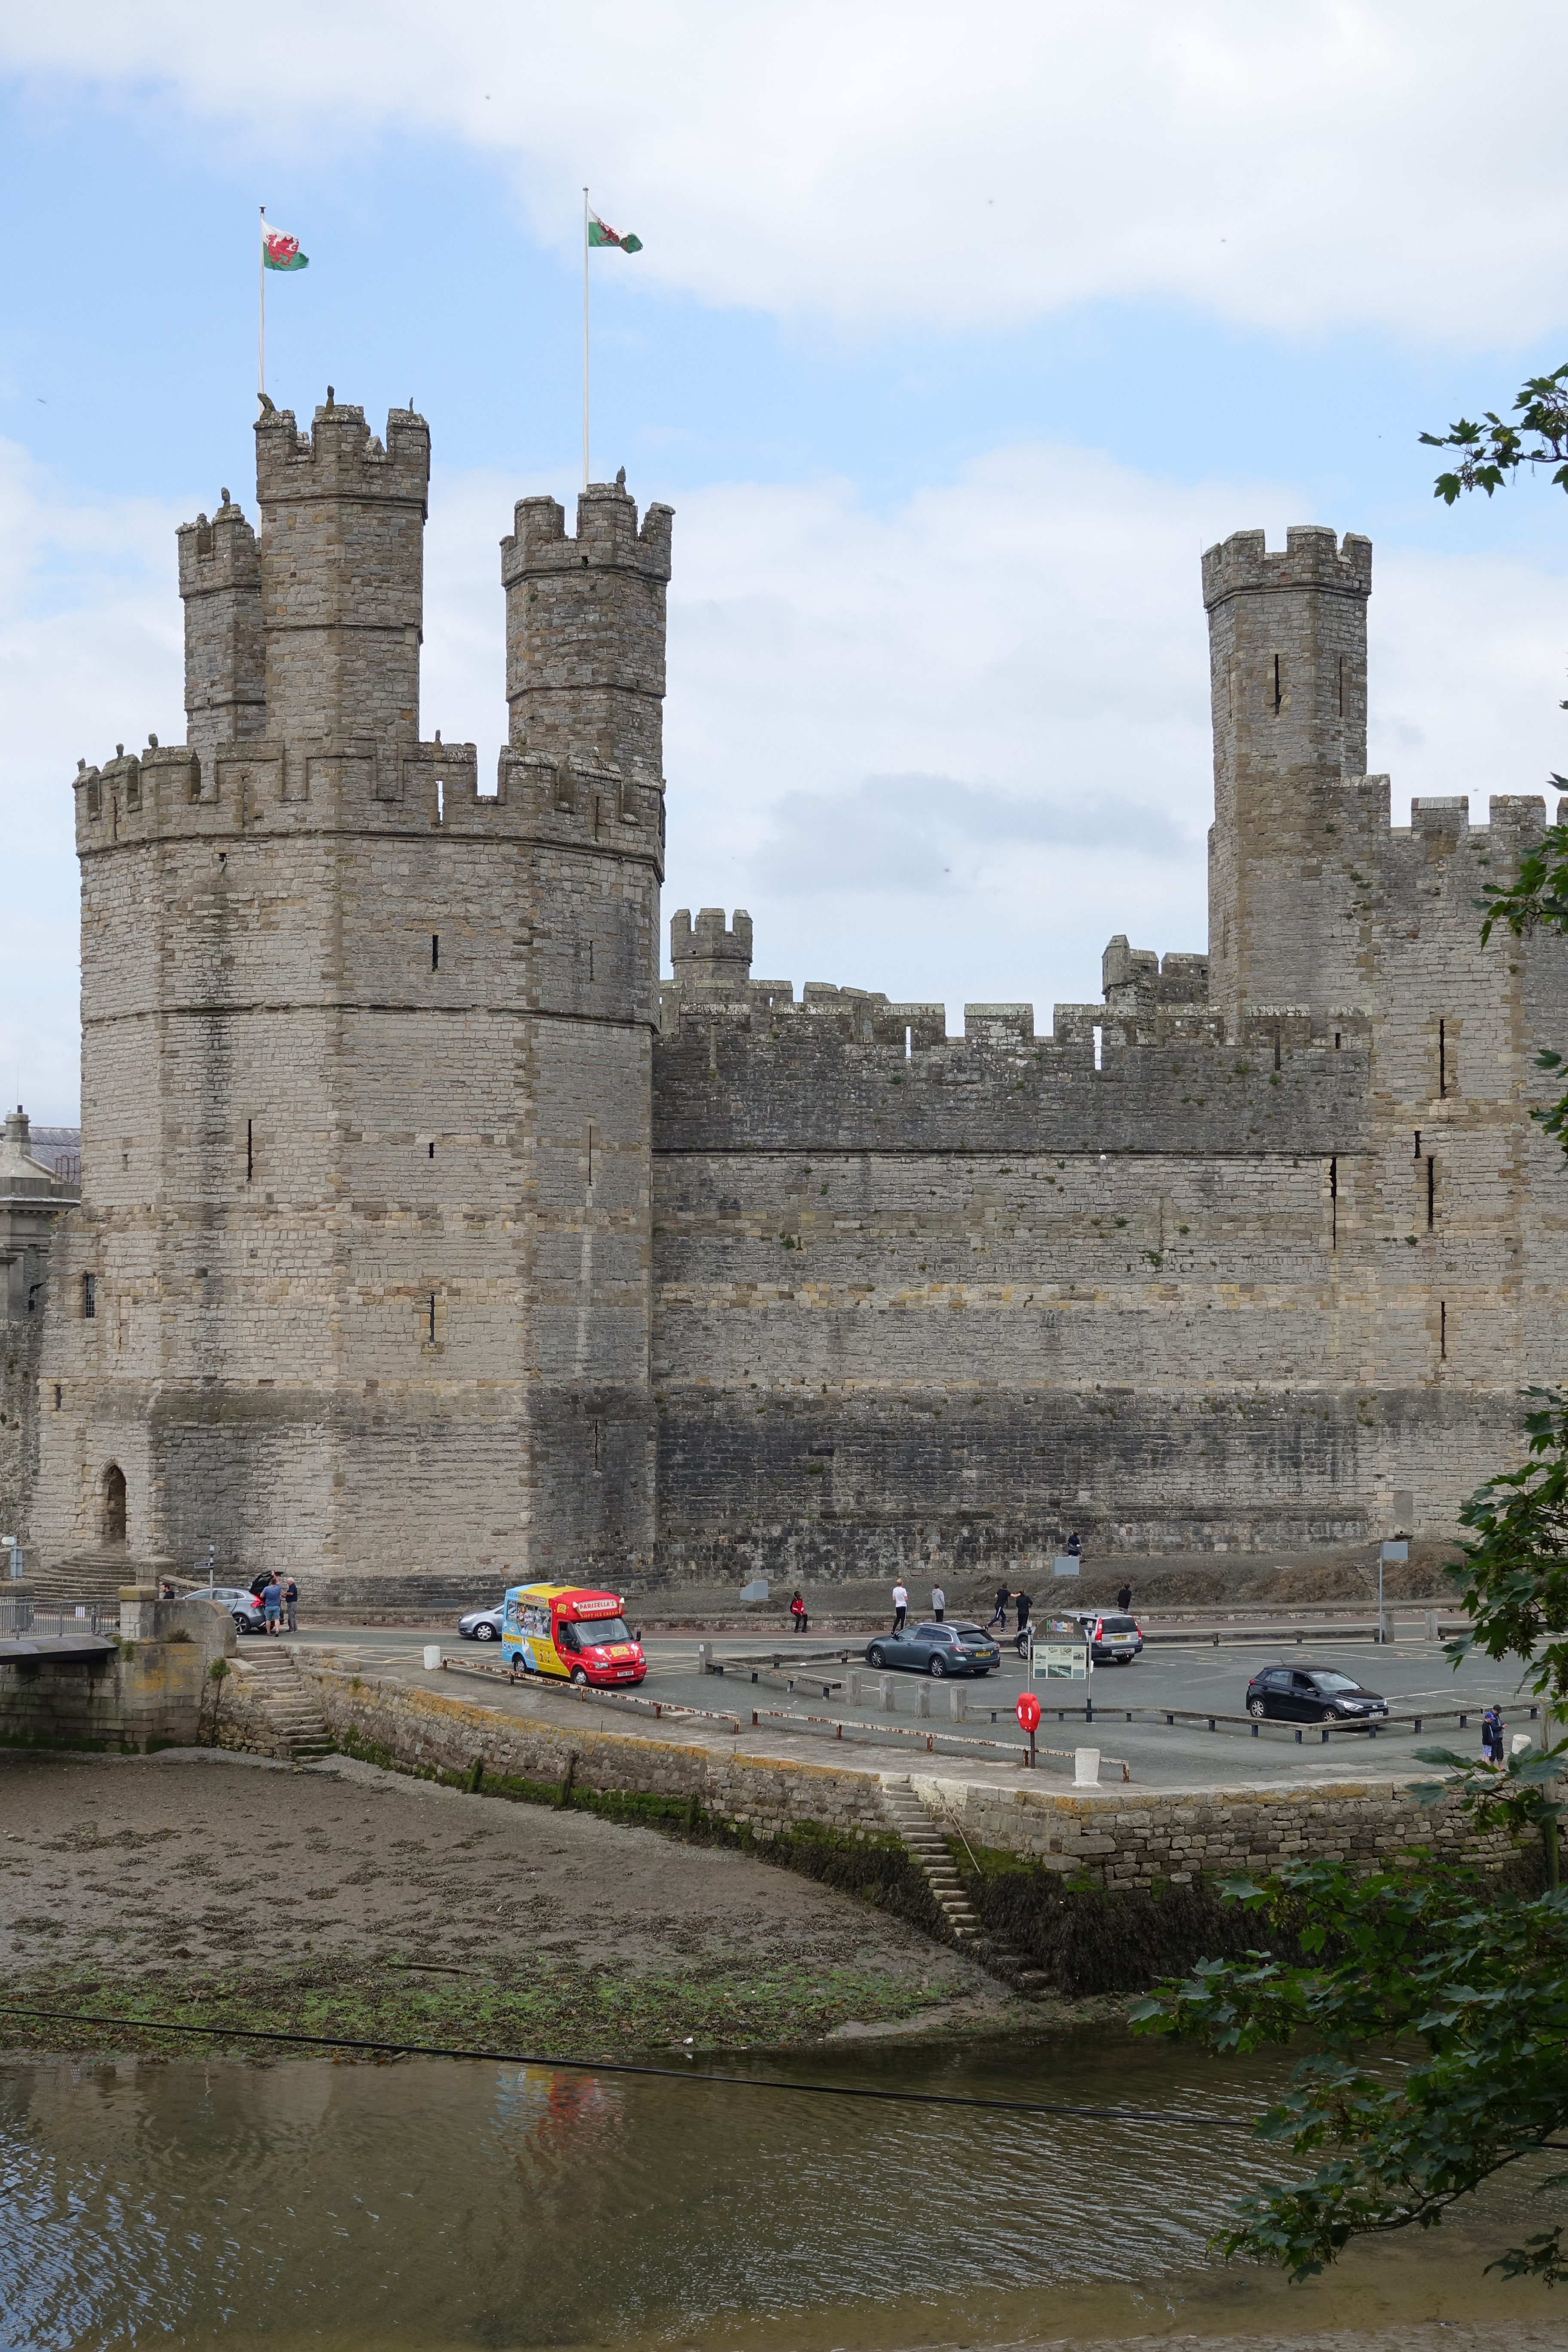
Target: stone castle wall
{"points": [[427, 1240]]}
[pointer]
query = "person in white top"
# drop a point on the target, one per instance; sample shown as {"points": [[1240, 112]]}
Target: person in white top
{"points": [[938, 1601], [900, 1606]]}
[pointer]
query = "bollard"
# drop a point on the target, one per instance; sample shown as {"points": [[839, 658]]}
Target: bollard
{"points": [[885, 1694], [704, 1657], [852, 1687], [957, 1701], [1431, 1624], [1086, 1768], [923, 1696], [432, 1656]]}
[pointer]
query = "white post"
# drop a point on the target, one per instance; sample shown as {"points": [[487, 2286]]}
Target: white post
{"points": [[585, 339], [260, 305]]}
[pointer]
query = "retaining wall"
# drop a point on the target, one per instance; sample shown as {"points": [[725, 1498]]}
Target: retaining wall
{"points": [[1113, 1838]]}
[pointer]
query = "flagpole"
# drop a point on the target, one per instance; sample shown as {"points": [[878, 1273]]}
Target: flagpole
{"points": [[261, 311], [585, 339]]}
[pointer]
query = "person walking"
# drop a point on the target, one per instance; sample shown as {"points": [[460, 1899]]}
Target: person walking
{"points": [[900, 1606], [271, 1604], [938, 1602], [797, 1611], [1024, 1605], [292, 1603], [999, 1613], [1492, 1735], [1124, 1598]]}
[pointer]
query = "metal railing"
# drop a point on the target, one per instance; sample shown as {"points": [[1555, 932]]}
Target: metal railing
{"points": [[24, 1616]]}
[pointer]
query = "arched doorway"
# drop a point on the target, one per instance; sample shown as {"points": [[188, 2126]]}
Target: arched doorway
{"points": [[115, 1504]]}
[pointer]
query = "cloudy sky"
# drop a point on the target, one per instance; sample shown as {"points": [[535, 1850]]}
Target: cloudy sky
{"points": [[959, 331]]}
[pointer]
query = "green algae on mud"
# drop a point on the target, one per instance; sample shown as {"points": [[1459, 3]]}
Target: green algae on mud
{"points": [[565, 2008]]}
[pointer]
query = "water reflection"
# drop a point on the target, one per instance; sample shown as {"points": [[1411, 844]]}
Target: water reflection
{"points": [[438, 2205]]}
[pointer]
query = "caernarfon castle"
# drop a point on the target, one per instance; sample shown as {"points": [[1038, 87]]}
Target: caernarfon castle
{"points": [[424, 1236]]}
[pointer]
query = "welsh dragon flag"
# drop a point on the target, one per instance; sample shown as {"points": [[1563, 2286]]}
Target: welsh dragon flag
{"points": [[281, 251], [601, 233]]}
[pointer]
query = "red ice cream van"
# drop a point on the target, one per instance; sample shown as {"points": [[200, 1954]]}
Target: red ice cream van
{"points": [[564, 1630]]}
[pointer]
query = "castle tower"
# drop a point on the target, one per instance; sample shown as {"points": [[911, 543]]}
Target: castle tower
{"points": [[585, 639], [712, 965], [360, 1281], [225, 651], [1288, 676]]}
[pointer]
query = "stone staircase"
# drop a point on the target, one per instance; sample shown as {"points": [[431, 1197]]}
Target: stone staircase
{"points": [[928, 1842], [271, 1678], [85, 1578]]}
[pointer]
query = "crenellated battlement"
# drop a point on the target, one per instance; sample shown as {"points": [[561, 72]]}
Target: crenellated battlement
{"points": [[341, 457], [607, 533], [1313, 557], [225, 646]]}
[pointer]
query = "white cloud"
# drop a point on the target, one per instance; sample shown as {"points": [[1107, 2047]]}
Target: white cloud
{"points": [[1339, 162]]}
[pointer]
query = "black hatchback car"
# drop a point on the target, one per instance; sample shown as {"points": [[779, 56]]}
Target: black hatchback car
{"points": [[1312, 1694]]}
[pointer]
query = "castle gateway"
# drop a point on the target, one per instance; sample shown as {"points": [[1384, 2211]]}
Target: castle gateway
{"points": [[421, 1228]]}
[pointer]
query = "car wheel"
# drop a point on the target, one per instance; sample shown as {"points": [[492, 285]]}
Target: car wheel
{"points": [[1328, 1714], [1124, 1662], [484, 1632], [875, 1655], [242, 1624], [938, 1666], [981, 1673], [579, 1674], [1255, 1707]]}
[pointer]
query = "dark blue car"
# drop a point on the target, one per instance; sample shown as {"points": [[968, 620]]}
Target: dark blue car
{"points": [[936, 1650]]}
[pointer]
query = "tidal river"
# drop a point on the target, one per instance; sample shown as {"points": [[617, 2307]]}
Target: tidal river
{"points": [[439, 2205]]}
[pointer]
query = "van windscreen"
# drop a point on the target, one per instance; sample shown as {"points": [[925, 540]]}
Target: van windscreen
{"points": [[593, 1631]]}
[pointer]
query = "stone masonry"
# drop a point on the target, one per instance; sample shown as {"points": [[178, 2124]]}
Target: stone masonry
{"points": [[427, 1242], [360, 1281]]}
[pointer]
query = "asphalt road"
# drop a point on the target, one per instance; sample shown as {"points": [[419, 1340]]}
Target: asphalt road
{"points": [[1411, 1673]]}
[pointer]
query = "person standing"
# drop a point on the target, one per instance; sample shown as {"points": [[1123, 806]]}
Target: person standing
{"points": [[1124, 1598], [292, 1603], [938, 1602], [1492, 1735], [900, 1606], [999, 1613], [271, 1604]]}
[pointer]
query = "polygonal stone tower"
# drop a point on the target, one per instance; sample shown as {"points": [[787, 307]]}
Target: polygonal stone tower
{"points": [[1288, 678], [360, 1285]]}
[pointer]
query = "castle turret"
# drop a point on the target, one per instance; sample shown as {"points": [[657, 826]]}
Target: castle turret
{"points": [[712, 965], [225, 655], [1288, 668], [342, 576], [584, 628]]}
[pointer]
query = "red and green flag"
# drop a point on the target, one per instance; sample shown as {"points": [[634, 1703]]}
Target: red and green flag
{"points": [[601, 233], [279, 250]]}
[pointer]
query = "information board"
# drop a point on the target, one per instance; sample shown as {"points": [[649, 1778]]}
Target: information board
{"points": [[1059, 1661]]}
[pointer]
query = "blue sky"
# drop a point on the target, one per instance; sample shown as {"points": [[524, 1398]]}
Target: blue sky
{"points": [[956, 336]]}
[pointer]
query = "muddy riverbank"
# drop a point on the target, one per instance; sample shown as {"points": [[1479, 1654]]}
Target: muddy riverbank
{"points": [[346, 1899]]}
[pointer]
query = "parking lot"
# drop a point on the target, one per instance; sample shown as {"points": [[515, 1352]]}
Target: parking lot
{"points": [[1192, 1677]]}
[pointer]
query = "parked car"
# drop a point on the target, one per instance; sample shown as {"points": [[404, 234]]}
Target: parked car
{"points": [[242, 1607], [1312, 1694], [481, 1625], [1115, 1638], [936, 1650]]}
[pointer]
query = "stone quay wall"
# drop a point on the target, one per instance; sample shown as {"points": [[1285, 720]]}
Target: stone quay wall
{"points": [[1113, 1838]]}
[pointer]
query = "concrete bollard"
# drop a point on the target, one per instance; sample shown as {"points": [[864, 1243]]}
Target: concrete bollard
{"points": [[432, 1656], [1431, 1624], [885, 1693], [923, 1696], [957, 1701], [1086, 1768], [852, 1688], [704, 1657]]}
